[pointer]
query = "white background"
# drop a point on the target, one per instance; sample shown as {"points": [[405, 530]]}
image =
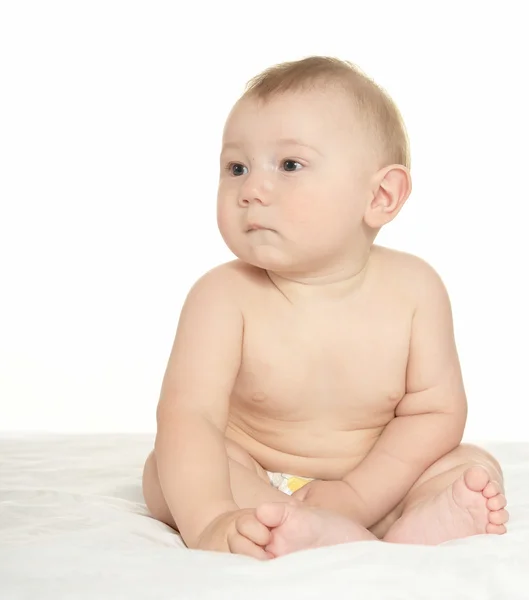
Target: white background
{"points": [[110, 122]]}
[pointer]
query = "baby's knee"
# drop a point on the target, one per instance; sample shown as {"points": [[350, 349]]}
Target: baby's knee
{"points": [[480, 456], [150, 479], [152, 492]]}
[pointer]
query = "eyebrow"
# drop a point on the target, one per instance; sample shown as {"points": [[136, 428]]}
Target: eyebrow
{"points": [[296, 142], [281, 142]]}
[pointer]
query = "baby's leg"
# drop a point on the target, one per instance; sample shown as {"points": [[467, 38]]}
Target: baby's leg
{"points": [[293, 528], [249, 483]]}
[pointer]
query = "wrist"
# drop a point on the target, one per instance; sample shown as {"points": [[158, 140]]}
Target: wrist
{"points": [[205, 519]]}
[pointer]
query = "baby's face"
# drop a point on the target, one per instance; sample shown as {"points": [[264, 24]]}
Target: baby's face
{"points": [[294, 180]]}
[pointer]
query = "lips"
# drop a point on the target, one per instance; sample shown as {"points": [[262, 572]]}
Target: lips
{"points": [[255, 227]]}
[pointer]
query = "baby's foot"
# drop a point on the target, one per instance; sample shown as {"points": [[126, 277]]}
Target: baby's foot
{"points": [[473, 504], [294, 527]]}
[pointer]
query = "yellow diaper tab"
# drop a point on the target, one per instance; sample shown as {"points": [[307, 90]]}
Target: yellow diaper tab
{"points": [[287, 483]]}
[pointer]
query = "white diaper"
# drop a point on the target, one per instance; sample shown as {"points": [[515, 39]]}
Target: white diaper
{"points": [[287, 483]]}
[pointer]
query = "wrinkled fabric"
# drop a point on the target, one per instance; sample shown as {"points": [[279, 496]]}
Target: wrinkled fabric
{"points": [[73, 524]]}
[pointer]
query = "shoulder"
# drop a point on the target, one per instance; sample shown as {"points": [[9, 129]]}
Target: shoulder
{"points": [[410, 274], [229, 280]]}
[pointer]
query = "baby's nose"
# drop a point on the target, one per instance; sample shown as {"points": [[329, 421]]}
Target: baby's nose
{"points": [[256, 190]]}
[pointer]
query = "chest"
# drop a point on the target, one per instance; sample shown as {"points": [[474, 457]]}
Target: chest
{"points": [[293, 365]]}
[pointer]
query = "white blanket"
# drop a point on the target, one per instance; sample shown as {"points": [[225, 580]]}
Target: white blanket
{"points": [[73, 524]]}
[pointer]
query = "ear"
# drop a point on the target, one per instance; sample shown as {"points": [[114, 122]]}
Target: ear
{"points": [[390, 189]]}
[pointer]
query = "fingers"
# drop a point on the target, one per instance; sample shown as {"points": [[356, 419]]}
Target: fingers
{"points": [[238, 544], [250, 527], [250, 537]]}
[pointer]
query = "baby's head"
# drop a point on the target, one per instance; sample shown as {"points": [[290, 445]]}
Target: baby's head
{"points": [[315, 160]]}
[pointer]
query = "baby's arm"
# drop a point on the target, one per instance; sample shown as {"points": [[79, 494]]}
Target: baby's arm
{"points": [[193, 408], [430, 419]]}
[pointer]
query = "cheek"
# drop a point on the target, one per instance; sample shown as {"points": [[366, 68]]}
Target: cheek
{"points": [[224, 214], [309, 206]]}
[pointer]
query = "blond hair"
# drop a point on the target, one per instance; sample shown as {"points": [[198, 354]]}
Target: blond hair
{"points": [[378, 112]]}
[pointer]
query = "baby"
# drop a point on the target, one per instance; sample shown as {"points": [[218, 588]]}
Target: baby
{"points": [[313, 395]]}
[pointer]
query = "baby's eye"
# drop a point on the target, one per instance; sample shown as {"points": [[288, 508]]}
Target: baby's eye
{"points": [[237, 169], [291, 165]]}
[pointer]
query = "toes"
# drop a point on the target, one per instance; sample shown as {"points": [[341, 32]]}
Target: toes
{"points": [[272, 514], [498, 517], [497, 529], [497, 502], [491, 489], [476, 478], [248, 526]]}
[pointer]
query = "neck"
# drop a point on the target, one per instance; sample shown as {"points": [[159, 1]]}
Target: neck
{"points": [[330, 283]]}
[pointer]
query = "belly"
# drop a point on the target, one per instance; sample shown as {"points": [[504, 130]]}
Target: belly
{"points": [[313, 395], [309, 449]]}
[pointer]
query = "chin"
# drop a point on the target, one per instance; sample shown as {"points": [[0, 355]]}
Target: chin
{"points": [[264, 257]]}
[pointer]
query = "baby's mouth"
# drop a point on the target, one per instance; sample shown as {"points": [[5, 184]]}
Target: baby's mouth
{"points": [[255, 227]]}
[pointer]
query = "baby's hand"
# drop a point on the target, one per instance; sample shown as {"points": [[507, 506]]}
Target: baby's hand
{"points": [[337, 496], [238, 532]]}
